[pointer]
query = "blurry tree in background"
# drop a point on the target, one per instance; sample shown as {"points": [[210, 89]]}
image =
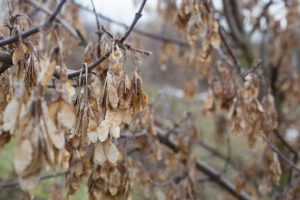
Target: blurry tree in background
{"points": [[75, 109]]}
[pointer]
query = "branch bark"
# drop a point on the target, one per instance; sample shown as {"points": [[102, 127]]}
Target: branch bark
{"points": [[208, 170]]}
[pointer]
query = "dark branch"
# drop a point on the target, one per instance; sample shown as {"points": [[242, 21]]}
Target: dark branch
{"points": [[213, 174], [15, 183], [285, 143], [138, 15], [106, 55], [5, 57], [281, 155], [35, 29], [65, 24], [138, 31], [262, 14], [229, 51], [98, 28]]}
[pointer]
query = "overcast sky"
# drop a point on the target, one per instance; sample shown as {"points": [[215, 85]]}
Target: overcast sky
{"points": [[124, 10], [120, 10]]}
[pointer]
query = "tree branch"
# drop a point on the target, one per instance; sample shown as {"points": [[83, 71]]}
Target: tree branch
{"points": [[65, 24], [98, 28], [262, 14], [213, 174], [15, 183], [35, 29], [5, 57], [281, 155], [90, 67], [153, 36], [225, 183]]}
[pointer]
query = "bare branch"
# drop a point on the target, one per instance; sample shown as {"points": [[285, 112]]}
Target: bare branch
{"points": [[15, 183], [106, 55], [221, 180], [138, 15], [281, 155], [98, 28], [230, 52], [213, 174], [136, 30], [65, 24], [262, 14], [5, 57], [285, 143], [251, 70]]}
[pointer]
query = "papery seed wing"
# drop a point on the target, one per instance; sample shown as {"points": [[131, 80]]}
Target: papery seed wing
{"points": [[111, 152], [99, 156]]}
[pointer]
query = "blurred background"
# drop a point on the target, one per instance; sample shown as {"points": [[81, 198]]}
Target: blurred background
{"points": [[172, 79]]}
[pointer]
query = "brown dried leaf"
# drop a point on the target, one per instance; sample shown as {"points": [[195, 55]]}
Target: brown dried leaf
{"points": [[111, 152], [99, 155]]}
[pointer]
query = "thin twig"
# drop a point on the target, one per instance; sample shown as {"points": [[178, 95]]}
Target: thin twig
{"points": [[251, 70], [285, 143], [213, 174], [15, 183], [137, 16], [262, 14], [98, 28], [281, 155], [106, 55], [129, 47], [65, 24], [229, 51], [154, 36]]}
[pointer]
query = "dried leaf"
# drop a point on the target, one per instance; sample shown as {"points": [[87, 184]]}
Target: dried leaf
{"points": [[10, 115], [99, 156], [66, 115], [111, 151], [46, 74], [115, 131], [92, 136], [23, 156], [103, 130]]}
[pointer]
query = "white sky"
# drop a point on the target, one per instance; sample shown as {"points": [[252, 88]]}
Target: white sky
{"points": [[124, 10], [120, 10]]}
